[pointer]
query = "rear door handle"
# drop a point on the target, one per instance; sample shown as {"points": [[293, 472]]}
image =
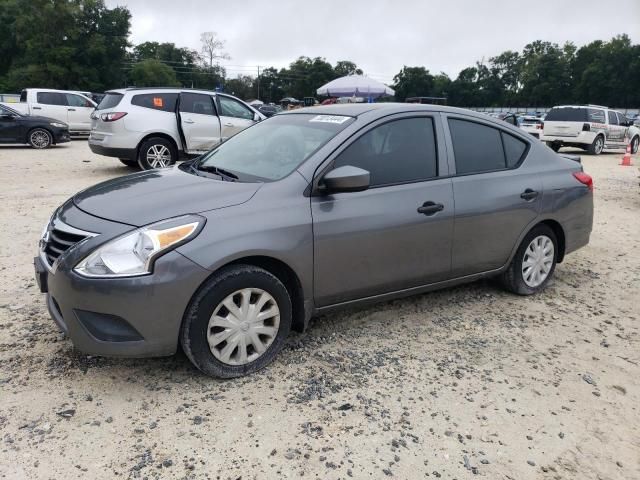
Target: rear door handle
{"points": [[71, 109], [188, 120], [529, 195], [430, 208], [228, 124], [37, 108]]}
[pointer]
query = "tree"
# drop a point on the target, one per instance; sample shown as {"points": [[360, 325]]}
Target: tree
{"points": [[413, 82], [213, 47], [153, 73], [78, 44], [183, 61], [345, 67]]}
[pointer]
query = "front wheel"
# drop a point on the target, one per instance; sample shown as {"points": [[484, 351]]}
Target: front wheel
{"points": [[597, 146], [534, 262], [237, 322], [157, 152], [40, 138], [553, 146], [634, 145]]}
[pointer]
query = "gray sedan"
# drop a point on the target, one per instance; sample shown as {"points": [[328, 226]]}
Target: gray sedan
{"points": [[304, 213]]}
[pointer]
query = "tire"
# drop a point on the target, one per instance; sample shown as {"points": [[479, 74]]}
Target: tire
{"points": [[514, 278], [162, 149], [634, 144], [553, 146], [232, 282], [40, 138], [597, 146], [129, 163]]}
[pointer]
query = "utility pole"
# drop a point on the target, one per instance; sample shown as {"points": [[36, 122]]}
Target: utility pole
{"points": [[258, 97]]}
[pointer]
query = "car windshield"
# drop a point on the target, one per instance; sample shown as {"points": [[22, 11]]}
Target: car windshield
{"points": [[273, 148], [9, 111]]}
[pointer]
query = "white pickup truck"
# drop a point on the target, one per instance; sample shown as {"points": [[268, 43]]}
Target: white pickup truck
{"points": [[71, 108]]}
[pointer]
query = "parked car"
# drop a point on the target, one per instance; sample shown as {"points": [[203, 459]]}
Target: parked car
{"points": [[39, 132], [154, 127], [532, 125], [590, 127], [66, 107], [308, 212], [269, 110]]}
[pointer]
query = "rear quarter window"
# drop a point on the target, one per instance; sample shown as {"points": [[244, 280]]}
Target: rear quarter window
{"points": [[165, 102]]}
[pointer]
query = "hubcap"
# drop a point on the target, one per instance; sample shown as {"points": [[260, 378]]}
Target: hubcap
{"points": [[537, 261], [40, 139], [599, 145], [158, 156], [243, 326]]}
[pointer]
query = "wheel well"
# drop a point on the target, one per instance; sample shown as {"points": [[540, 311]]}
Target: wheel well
{"points": [[559, 233], [290, 280], [159, 135]]}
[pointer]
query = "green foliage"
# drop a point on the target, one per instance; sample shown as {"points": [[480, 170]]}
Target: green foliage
{"points": [[70, 44], [153, 73]]}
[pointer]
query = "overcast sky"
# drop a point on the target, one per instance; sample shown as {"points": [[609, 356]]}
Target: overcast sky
{"points": [[380, 36]]}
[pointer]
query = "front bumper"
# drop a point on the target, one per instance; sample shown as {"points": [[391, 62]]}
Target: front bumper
{"points": [[128, 317], [61, 136]]}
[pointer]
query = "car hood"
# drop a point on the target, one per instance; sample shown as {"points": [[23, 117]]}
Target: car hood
{"points": [[146, 197]]}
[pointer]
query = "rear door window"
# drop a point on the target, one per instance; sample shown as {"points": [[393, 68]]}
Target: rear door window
{"points": [[613, 118], [480, 148], [51, 98], [196, 103], [165, 102]]}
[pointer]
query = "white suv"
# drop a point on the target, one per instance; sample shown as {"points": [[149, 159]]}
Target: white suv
{"points": [[590, 127], [154, 127]]}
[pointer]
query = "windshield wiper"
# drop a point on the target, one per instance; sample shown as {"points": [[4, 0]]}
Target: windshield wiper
{"points": [[218, 171]]}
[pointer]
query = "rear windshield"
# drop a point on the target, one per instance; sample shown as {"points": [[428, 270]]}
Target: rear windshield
{"points": [[567, 114], [110, 100]]}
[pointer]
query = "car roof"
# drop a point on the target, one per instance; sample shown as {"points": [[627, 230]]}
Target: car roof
{"points": [[386, 108]]}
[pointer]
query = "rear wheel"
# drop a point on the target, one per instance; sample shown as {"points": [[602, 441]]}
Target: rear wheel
{"points": [[40, 138], [534, 262], [157, 152], [597, 146], [237, 322]]}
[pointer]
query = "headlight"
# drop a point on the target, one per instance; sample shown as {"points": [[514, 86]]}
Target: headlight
{"points": [[58, 125], [133, 254]]}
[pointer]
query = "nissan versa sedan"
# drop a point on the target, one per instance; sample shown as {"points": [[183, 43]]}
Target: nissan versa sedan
{"points": [[307, 212]]}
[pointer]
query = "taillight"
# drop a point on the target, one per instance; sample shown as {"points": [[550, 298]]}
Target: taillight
{"points": [[112, 116], [586, 127], [540, 126], [585, 179]]}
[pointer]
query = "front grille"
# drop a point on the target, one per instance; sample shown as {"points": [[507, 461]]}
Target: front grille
{"points": [[59, 242]]}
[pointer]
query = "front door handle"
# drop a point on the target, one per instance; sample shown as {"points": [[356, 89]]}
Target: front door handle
{"points": [[529, 195], [188, 120], [71, 109], [430, 208], [37, 108]]}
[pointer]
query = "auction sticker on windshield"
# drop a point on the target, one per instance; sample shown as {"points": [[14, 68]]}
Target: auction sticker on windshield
{"points": [[339, 119]]}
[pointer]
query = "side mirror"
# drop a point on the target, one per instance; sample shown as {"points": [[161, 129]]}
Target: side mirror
{"points": [[257, 117], [346, 179], [7, 116]]}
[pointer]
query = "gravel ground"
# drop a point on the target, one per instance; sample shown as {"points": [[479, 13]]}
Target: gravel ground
{"points": [[469, 380]]}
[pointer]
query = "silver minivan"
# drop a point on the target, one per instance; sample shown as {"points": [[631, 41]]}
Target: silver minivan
{"points": [[154, 127]]}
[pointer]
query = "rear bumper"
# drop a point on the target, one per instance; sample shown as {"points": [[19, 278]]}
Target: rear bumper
{"points": [[583, 138], [125, 153]]}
